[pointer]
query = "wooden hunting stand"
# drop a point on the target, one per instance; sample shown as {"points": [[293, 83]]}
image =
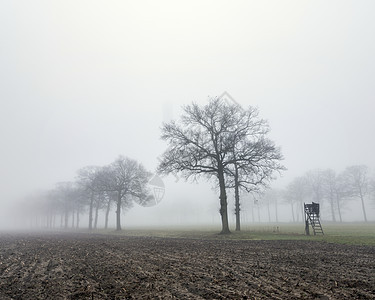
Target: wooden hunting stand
{"points": [[312, 218]]}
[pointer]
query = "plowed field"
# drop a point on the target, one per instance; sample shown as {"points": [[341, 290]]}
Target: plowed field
{"points": [[84, 266]]}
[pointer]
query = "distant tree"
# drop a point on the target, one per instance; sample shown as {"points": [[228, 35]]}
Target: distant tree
{"points": [[315, 180], [330, 190], [295, 194], [35, 209], [357, 181], [88, 179], [336, 191], [128, 179], [77, 203], [316, 188], [66, 192], [372, 189], [269, 197], [80, 203], [203, 143], [99, 203], [110, 197]]}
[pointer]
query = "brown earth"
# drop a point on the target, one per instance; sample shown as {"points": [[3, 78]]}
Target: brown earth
{"points": [[83, 266]]}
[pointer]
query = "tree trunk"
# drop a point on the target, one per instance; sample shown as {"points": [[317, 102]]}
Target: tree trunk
{"points": [[297, 212], [223, 204], [338, 207], [294, 220], [107, 214], [47, 220], [269, 212], [77, 223], [276, 212], [90, 210], [66, 218], [96, 214], [118, 212], [363, 206], [332, 209], [52, 220], [73, 215], [237, 199]]}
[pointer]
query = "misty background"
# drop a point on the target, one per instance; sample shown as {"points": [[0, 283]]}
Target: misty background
{"points": [[83, 82]]}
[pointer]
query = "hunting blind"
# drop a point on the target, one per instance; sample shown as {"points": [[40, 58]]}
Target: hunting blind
{"points": [[312, 218]]}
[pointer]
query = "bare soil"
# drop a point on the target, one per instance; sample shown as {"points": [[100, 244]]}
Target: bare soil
{"points": [[87, 266]]}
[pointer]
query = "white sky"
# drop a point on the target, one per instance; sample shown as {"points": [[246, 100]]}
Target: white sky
{"points": [[84, 81]]}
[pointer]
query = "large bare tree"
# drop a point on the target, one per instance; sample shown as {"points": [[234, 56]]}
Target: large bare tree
{"points": [[212, 141], [199, 145]]}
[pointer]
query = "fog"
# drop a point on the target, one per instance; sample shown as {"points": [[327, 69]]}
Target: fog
{"points": [[83, 82]]}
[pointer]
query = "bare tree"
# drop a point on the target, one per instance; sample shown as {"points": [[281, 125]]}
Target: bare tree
{"points": [[77, 202], [357, 181], [110, 197], [100, 202], [253, 159], [271, 196], [330, 190], [128, 179], [372, 189], [88, 179], [315, 181], [199, 145], [213, 141], [296, 193], [336, 191], [66, 191], [80, 202]]}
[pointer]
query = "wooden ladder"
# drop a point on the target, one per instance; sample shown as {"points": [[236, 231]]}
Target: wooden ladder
{"points": [[315, 224]]}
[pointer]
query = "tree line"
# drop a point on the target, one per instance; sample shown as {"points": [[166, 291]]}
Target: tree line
{"points": [[118, 184], [331, 190], [219, 141], [334, 191]]}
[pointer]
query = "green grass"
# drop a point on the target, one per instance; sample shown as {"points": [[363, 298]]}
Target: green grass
{"points": [[346, 233], [195, 232]]}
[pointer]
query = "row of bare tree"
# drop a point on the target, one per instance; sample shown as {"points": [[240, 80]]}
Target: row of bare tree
{"points": [[120, 183], [218, 140], [332, 190]]}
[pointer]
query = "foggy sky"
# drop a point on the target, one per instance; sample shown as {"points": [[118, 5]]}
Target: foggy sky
{"points": [[82, 82]]}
